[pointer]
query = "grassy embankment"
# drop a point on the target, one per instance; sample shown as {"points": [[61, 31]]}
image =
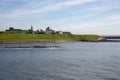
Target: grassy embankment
{"points": [[46, 37]]}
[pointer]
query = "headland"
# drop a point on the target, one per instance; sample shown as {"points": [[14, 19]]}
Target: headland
{"points": [[48, 35]]}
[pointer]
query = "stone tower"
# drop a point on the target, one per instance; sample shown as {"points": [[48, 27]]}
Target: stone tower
{"points": [[31, 28], [32, 31]]}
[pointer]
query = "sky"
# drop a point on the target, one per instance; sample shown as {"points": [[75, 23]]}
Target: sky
{"points": [[100, 17]]}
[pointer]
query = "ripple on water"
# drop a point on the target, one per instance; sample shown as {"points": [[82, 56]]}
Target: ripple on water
{"points": [[111, 79]]}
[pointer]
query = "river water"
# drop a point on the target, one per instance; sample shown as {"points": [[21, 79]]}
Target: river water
{"points": [[72, 61]]}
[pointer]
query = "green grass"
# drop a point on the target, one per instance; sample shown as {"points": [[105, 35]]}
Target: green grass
{"points": [[86, 37], [25, 37]]}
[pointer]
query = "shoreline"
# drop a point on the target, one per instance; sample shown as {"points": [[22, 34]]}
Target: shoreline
{"points": [[51, 41], [36, 41]]}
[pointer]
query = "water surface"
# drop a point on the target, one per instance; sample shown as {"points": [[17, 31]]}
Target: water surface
{"points": [[72, 61]]}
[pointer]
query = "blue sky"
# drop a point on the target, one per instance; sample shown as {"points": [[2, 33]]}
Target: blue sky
{"points": [[78, 16]]}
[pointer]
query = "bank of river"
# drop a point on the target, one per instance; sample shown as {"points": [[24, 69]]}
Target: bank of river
{"points": [[36, 41], [52, 41]]}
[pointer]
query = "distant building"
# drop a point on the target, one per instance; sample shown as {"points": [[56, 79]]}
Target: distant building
{"points": [[1, 32], [49, 31], [31, 31], [41, 31], [59, 32], [101, 39], [31, 28], [12, 30]]}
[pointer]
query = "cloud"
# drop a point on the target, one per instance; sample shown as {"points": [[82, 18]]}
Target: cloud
{"points": [[89, 16], [105, 26], [105, 5], [113, 18], [48, 6]]}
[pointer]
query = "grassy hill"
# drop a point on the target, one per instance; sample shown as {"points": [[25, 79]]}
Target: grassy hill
{"points": [[26, 37]]}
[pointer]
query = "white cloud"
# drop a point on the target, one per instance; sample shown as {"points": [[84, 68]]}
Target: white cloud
{"points": [[113, 18], [105, 5], [34, 8], [107, 25], [81, 21]]}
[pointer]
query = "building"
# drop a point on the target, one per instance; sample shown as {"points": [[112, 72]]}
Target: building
{"points": [[31, 31], [12, 30], [101, 39], [49, 31]]}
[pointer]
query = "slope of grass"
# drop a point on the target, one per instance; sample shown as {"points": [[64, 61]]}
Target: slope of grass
{"points": [[25, 37], [86, 37]]}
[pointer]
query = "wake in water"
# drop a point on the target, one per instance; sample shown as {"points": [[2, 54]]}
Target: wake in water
{"points": [[28, 47]]}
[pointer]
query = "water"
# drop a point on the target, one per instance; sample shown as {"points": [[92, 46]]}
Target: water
{"points": [[114, 39], [72, 61]]}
